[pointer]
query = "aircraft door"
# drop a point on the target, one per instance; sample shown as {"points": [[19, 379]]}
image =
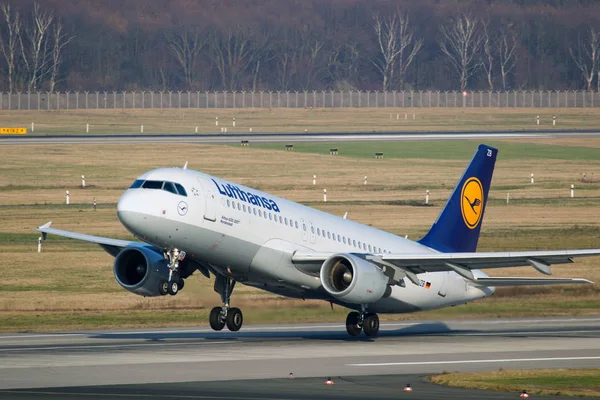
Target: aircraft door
{"points": [[210, 209], [304, 230], [313, 236]]}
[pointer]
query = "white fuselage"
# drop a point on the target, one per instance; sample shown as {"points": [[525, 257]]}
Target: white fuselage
{"points": [[251, 236]]}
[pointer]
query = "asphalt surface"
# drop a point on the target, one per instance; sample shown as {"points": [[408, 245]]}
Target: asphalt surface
{"points": [[287, 137], [255, 362], [348, 388]]}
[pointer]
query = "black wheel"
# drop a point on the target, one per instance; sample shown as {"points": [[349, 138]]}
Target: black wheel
{"points": [[235, 319], [163, 287], [352, 324], [371, 324], [173, 287], [215, 319], [181, 283]]}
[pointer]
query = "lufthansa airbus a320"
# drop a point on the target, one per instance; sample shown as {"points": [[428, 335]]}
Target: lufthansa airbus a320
{"points": [[187, 221]]}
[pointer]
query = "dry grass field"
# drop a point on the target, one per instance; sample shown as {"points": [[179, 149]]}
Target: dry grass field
{"points": [[70, 285], [185, 120], [557, 382]]}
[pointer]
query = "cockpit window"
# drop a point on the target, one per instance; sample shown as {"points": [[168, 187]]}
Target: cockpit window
{"points": [[152, 185], [137, 184], [169, 187], [181, 190]]}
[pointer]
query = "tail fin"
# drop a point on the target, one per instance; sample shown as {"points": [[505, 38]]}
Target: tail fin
{"points": [[457, 227]]}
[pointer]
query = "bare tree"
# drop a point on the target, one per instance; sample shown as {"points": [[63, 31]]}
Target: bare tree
{"points": [[397, 46], [488, 55], [507, 54], [232, 50], [186, 44], [586, 56], [59, 40], [461, 43], [35, 54], [10, 37]]}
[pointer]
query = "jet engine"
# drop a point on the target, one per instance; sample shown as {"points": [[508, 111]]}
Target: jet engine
{"points": [[353, 280], [141, 270]]}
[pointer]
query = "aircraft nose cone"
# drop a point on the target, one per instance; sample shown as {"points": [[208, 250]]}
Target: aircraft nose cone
{"points": [[126, 210]]}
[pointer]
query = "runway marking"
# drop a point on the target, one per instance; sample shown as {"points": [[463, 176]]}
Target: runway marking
{"points": [[516, 333], [25, 336], [110, 346], [474, 361]]}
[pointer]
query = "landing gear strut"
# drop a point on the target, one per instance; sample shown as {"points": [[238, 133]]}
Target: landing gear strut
{"points": [[225, 315], [362, 321], [175, 282]]}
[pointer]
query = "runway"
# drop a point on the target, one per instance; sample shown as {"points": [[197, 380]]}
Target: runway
{"points": [[288, 137], [155, 360]]}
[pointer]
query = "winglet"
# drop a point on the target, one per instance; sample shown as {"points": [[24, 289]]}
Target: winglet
{"points": [[185, 165], [43, 227]]}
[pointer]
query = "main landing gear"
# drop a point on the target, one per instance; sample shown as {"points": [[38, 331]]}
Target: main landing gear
{"points": [[175, 282], [225, 315], [362, 321]]}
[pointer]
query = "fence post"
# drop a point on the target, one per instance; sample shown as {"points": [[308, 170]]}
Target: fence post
{"points": [[261, 99], [97, 99], [412, 98], [575, 98], [143, 99], [297, 105], [47, 100], [234, 99], [394, 94], [279, 99], [124, 99], [341, 98], [377, 99], [179, 99], [359, 98], [270, 99], [385, 99]]}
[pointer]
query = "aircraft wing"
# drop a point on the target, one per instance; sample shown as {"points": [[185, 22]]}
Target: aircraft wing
{"points": [[464, 263], [112, 246]]}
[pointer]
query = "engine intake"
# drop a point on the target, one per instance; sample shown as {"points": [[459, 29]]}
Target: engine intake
{"points": [[353, 280], [140, 270]]}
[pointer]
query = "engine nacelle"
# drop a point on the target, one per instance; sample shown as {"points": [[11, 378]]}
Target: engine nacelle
{"points": [[141, 270], [353, 280]]}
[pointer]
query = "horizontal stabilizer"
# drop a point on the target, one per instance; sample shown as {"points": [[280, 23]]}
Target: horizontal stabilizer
{"points": [[497, 282]]}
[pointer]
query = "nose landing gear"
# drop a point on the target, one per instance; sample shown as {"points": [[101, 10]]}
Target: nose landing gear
{"points": [[225, 315], [175, 282], [363, 321]]}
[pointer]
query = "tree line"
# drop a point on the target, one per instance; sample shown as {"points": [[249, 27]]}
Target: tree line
{"points": [[298, 45]]}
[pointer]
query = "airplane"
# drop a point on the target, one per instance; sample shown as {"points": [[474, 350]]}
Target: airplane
{"points": [[188, 221]]}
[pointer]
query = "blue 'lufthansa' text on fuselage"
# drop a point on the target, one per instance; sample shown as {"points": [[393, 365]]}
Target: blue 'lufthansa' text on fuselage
{"points": [[235, 192]]}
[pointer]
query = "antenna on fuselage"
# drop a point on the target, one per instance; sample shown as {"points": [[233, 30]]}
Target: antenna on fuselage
{"points": [[185, 165], [346, 214]]}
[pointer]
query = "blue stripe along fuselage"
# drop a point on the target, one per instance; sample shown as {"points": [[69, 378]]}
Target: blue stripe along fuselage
{"points": [[235, 192]]}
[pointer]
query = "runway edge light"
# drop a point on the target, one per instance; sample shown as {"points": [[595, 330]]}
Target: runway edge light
{"points": [[329, 381], [291, 376], [524, 394], [408, 388]]}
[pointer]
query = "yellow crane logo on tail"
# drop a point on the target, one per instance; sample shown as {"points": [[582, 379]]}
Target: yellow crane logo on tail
{"points": [[471, 205]]}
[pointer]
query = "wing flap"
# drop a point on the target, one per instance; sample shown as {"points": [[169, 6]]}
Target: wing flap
{"points": [[497, 282]]}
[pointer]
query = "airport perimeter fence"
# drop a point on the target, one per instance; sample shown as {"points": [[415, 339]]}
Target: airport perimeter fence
{"points": [[288, 99]]}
